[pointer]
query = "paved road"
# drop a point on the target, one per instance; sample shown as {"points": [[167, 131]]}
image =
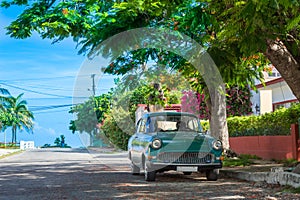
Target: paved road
{"points": [[79, 174]]}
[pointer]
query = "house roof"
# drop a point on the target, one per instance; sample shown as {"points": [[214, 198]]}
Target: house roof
{"points": [[271, 82]]}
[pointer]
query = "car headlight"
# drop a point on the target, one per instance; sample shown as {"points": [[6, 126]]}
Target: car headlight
{"points": [[156, 143], [217, 144]]}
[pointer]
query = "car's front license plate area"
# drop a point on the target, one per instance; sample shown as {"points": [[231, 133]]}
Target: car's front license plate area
{"points": [[187, 169]]}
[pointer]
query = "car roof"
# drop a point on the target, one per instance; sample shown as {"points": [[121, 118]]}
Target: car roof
{"points": [[171, 113]]}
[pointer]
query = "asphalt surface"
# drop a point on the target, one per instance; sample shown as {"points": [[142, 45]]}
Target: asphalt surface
{"points": [[82, 174]]}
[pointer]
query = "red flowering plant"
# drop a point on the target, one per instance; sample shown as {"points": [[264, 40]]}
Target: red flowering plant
{"points": [[237, 101]]}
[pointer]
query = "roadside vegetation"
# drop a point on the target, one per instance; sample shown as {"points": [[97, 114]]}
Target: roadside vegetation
{"points": [[274, 123], [240, 160], [58, 142], [10, 146], [14, 114], [289, 189]]}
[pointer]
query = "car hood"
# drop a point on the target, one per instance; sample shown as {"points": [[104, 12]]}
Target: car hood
{"points": [[185, 141]]}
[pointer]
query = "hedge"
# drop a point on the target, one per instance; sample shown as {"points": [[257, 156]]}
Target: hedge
{"points": [[274, 123], [117, 127]]}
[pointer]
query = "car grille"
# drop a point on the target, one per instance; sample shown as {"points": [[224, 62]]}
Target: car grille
{"points": [[185, 158]]}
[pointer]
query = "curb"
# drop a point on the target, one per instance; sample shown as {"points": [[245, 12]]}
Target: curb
{"points": [[278, 177], [7, 152]]}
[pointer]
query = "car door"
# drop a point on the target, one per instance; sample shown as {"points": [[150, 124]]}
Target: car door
{"points": [[137, 147]]}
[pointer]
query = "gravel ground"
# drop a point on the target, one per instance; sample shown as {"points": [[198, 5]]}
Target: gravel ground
{"points": [[81, 174]]}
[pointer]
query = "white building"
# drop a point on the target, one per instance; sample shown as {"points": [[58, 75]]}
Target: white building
{"points": [[26, 145], [273, 95]]}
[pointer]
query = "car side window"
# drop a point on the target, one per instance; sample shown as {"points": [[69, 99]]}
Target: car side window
{"points": [[194, 125], [142, 126]]}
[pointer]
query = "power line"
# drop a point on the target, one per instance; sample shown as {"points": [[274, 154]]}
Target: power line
{"points": [[50, 78], [37, 92], [50, 87], [46, 112], [41, 108]]}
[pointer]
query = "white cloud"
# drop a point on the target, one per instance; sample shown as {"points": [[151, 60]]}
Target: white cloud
{"points": [[44, 130]]}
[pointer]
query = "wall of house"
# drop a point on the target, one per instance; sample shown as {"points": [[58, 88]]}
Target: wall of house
{"points": [[281, 93], [269, 147]]}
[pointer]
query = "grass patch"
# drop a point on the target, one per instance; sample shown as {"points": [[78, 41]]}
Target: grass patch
{"points": [[289, 189], [241, 160], [287, 162]]}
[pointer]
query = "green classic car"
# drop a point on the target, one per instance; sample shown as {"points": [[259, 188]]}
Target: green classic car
{"points": [[173, 141]]}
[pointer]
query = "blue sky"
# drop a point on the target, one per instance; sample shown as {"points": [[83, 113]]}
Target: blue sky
{"points": [[46, 74]]}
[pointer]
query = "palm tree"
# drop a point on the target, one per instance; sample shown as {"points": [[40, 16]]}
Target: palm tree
{"points": [[3, 113], [20, 117]]}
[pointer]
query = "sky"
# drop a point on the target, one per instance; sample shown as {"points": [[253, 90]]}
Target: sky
{"points": [[46, 73]]}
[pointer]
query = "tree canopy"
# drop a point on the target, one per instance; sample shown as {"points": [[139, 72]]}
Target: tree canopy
{"points": [[271, 27], [238, 35]]}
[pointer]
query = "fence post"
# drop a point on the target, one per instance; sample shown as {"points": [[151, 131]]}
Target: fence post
{"points": [[295, 142], [299, 128]]}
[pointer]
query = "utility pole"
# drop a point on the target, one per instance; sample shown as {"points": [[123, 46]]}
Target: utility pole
{"points": [[94, 93], [93, 84]]}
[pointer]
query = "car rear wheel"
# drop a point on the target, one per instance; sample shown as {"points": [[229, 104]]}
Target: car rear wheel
{"points": [[212, 175], [135, 170], [149, 175]]}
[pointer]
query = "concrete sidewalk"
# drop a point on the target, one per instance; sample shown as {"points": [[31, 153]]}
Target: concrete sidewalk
{"points": [[270, 173], [4, 152]]}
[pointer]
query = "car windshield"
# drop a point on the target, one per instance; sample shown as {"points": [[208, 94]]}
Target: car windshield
{"points": [[173, 123]]}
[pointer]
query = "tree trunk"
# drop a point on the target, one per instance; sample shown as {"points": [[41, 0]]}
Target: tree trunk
{"points": [[285, 63], [218, 122], [13, 136]]}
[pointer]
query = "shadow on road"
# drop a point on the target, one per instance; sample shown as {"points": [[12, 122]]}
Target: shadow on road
{"points": [[76, 175]]}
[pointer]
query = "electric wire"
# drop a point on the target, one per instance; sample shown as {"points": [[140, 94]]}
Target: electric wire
{"points": [[37, 92], [51, 78]]}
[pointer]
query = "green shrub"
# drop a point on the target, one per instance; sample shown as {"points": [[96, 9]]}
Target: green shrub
{"points": [[274, 123], [204, 124], [117, 128], [241, 160]]}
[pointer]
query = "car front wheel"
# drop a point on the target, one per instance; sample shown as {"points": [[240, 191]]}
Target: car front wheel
{"points": [[149, 175], [135, 170], [212, 175]]}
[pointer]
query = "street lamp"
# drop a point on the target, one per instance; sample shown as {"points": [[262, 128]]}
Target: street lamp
{"points": [[257, 109]]}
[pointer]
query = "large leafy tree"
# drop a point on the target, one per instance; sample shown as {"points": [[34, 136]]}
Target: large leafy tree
{"points": [[89, 114], [91, 22], [19, 117], [271, 27]]}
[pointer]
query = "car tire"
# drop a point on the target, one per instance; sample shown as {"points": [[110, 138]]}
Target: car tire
{"points": [[187, 173], [149, 175], [135, 170], [212, 175]]}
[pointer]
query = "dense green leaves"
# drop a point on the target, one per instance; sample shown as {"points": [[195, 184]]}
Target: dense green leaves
{"points": [[117, 128], [276, 123], [90, 113], [251, 23]]}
